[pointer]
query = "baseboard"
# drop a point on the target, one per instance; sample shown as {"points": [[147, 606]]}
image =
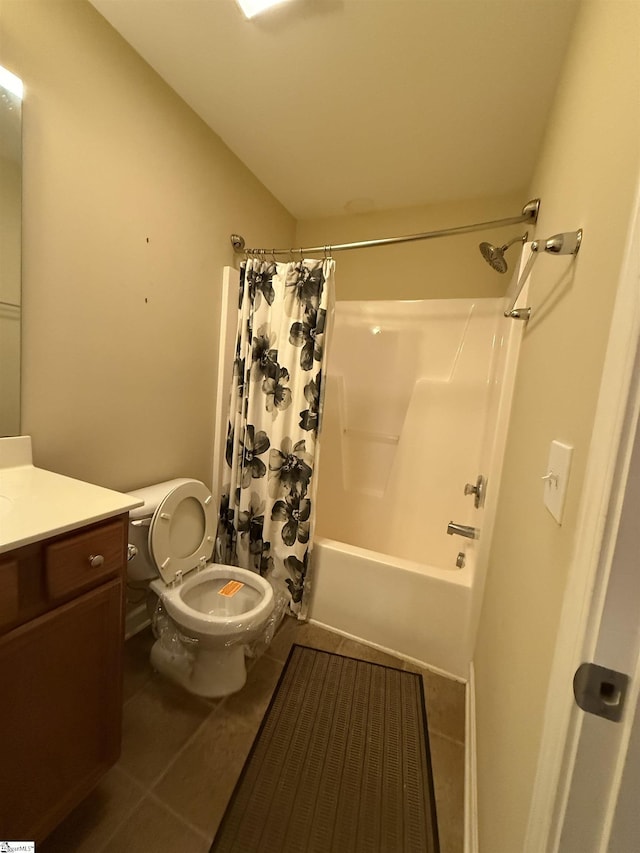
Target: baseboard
{"points": [[470, 768], [136, 620]]}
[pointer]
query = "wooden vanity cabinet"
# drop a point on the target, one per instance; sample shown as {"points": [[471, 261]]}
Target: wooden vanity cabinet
{"points": [[61, 640]]}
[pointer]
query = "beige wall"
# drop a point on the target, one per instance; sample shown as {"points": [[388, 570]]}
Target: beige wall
{"points": [[129, 200], [587, 176], [429, 269]]}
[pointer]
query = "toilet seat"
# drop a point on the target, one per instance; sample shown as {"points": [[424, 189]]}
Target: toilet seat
{"points": [[181, 533], [198, 622]]}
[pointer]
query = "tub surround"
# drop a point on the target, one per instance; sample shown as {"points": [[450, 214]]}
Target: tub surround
{"points": [[393, 476], [36, 504]]}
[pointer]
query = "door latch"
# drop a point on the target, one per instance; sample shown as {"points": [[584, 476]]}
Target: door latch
{"points": [[600, 691]]}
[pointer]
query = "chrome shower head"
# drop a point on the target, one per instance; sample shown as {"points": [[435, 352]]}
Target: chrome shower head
{"points": [[494, 256]]}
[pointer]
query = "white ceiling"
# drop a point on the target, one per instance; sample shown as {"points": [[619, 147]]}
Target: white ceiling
{"points": [[338, 105]]}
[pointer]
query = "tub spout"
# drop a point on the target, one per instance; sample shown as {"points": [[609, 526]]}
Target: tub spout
{"points": [[463, 530]]}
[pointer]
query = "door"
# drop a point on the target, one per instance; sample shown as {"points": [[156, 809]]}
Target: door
{"points": [[601, 809]]}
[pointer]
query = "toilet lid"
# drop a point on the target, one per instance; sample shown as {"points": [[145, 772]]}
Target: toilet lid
{"points": [[182, 530]]}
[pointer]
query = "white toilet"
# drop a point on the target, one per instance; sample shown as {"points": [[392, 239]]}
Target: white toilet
{"points": [[216, 609]]}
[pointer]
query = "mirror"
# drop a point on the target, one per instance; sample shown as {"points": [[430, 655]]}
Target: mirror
{"points": [[10, 250]]}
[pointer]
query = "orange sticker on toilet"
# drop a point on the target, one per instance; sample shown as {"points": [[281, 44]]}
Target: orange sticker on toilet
{"points": [[230, 588]]}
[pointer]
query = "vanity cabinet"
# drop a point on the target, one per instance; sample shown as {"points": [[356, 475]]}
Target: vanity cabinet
{"points": [[61, 639]]}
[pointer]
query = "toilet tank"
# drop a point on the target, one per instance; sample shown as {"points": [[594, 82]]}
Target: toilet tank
{"points": [[141, 567]]}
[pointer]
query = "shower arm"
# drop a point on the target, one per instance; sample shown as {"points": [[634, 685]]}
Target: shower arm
{"points": [[529, 214], [567, 243]]}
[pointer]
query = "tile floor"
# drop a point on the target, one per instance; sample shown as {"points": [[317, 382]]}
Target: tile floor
{"points": [[181, 755]]}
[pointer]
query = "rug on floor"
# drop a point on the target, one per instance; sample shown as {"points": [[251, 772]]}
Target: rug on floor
{"points": [[340, 764]]}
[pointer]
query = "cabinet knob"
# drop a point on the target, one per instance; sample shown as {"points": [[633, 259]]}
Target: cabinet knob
{"points": [[96, 560]]}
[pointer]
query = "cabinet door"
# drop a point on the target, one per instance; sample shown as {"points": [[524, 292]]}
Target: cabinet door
{"points": [[60, 710]]}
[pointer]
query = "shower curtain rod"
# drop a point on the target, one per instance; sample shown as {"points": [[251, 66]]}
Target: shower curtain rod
{"points": [[529, 214]]}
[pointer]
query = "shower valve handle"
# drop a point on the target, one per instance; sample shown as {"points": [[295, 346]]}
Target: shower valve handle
{"points": [[478, 491]]}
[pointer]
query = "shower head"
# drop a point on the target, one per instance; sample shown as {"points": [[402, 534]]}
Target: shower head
{"points": [[494, 256]]}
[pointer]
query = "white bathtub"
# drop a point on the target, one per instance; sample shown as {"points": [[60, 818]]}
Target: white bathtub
{"points": [[397, 605]]}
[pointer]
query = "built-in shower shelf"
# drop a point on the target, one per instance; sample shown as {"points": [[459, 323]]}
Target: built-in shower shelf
{"points": [[370, 435]]}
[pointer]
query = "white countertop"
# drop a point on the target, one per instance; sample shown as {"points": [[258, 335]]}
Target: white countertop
{"points": [[36, 504]]}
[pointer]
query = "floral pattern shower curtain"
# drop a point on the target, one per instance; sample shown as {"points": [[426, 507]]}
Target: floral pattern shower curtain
{"points": [[267, 506]]}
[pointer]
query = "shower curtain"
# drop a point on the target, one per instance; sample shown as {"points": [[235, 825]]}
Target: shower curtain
{"points": [[267, 506]]}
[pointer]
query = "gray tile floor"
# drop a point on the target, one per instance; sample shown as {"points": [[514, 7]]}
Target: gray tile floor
{"points": [[181, 755]]}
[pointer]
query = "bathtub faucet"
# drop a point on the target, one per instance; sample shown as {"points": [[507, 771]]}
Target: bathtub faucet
{"points": [[463, 530]]}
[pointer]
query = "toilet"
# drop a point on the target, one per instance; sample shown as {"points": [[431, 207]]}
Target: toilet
{"points": [[214, 610]]}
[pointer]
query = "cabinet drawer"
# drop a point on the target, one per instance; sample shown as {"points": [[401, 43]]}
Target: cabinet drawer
{"points": [[84, 559]]}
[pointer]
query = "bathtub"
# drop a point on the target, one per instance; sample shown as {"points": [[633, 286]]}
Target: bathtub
{"points": [[418, 611]]}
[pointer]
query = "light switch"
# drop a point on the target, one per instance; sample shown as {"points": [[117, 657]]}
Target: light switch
{"points": [[556, 478]]}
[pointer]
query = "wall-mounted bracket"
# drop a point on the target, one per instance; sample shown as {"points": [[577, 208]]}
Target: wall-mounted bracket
{"points": [[567, 243]]}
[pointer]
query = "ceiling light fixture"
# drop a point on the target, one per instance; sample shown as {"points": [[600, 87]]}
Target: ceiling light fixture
{"points": [[254, 7]]}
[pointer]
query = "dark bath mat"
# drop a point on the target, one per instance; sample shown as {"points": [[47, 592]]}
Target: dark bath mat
{"points": [[340, 763]]}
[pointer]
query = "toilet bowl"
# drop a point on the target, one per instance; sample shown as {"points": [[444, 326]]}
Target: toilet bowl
{"points": [[214, 610]]}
